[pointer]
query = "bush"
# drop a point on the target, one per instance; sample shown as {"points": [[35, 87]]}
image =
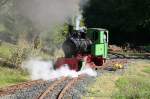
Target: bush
{"points": [[20, 53]]}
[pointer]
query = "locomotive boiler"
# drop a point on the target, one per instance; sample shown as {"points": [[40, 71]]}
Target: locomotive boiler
{"points": [[76, 43]]}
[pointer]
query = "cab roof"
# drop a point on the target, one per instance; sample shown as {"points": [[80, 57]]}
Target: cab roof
{"points": [[100, 29]]}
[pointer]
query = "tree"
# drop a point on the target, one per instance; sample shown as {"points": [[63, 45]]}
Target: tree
{"points": [[3, 2], [125, 19]]}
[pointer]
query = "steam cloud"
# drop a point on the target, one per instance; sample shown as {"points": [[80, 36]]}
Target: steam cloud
{"points": [[39, 69], [47, 13]]}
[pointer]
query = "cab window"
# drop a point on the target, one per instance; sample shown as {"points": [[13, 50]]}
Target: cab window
{"points": [[105, 36], [95, 36]]}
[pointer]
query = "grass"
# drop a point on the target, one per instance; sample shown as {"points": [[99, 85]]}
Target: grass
{"points": [[5, 50], [147, 70], [10, 76], [133, 84], [133, 88], [103, 88]]}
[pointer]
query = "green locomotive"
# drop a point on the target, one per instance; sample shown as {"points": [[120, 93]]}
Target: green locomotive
{"points": [[91, 44]]}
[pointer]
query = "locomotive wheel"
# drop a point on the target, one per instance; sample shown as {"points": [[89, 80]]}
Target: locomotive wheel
{"points": [[98, 61]]}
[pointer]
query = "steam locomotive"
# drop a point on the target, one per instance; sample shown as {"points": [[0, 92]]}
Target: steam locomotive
{"points": [[81, 47]]}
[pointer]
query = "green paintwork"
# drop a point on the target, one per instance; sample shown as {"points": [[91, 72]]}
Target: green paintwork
{"points": [[99, 38], [98, 49]]}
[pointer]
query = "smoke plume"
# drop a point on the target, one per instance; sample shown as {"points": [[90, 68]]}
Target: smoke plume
{"points": [[45, 14]]}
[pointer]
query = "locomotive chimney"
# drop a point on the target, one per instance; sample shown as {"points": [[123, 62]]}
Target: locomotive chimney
{"points": [[78, 19]]}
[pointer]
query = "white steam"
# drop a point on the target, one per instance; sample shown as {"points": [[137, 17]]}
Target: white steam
{"points": [[39, 69], [46, 14], [78, 19]]}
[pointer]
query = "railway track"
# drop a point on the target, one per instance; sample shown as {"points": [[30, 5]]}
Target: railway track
{"points": [[54, 90], [65, 89], [66, 85], [13, 88], [58, 89]]}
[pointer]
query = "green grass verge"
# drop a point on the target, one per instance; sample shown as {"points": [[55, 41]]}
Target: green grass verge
{"points": [[6, 50], [10, 76], [146, 70], [135, 83], [133, 88]]}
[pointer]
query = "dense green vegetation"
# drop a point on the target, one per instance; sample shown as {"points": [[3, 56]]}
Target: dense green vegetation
{"points": [[13, 25], [127, 20]]}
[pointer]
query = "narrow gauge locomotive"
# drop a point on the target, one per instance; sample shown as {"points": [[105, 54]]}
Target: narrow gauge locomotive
{"points": [[91, 45]]}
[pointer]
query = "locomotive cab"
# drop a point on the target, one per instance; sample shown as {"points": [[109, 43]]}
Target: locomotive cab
{"points": [[99, 39]]}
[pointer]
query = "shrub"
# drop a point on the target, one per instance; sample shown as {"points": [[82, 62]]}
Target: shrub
{"points": [[20, 53]]}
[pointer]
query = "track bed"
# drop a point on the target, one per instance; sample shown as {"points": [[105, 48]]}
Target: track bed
{"points": [[63, 88]]}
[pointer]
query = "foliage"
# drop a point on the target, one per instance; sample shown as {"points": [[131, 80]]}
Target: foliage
{"points": [[53, 39], [12, 24], [6, 49], [127, 20], [147, 48], [9, 76], [20, 53], [60, 33], [26, 49], [3, 2]]}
